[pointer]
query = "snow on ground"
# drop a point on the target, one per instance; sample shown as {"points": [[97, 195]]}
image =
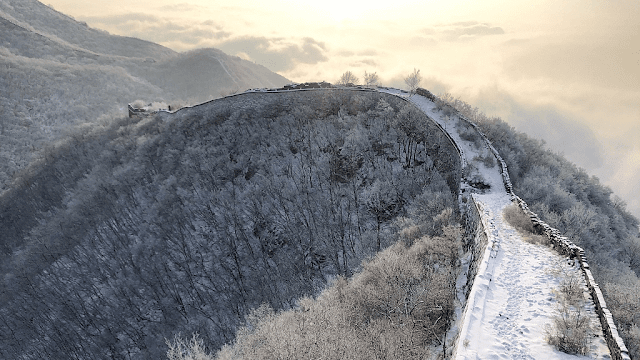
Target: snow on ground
{"points": [[513, 297]]}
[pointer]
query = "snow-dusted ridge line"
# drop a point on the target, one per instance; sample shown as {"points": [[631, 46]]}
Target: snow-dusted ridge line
{"points": [[251, 91], [286, 89], [565, 247], [617, 348]]}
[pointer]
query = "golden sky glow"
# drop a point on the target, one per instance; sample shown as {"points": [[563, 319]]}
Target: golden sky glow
{"points": [[567, 71]]}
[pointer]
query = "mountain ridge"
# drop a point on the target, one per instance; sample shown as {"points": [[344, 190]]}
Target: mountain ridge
{"points": [[117, 233]]}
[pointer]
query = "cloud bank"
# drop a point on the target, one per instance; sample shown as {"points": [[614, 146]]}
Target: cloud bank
{"points": [[277, 54], [161, 30], [461, 31]]}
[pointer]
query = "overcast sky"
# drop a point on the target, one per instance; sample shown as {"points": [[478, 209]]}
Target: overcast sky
{"points": [[566, 71]]}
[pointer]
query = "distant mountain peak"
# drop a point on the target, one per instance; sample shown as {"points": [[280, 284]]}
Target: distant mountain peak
{"points": [[35, 16]]}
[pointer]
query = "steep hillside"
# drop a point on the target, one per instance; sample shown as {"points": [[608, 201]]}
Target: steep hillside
{"points": [[125, 235], [56, 73]]}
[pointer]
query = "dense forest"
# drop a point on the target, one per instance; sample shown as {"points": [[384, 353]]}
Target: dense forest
{"points": [[132, 231], [578, 205]]}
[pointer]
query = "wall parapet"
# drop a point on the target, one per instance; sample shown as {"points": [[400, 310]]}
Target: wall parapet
{"points": [[476, 249], [567, 248]]}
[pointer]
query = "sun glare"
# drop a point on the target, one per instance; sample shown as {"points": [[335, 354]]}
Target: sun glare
{"points": [[346, 10]]}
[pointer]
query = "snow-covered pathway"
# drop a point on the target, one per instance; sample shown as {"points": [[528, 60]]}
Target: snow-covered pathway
{"points": [[513, 299], [513, 296]]}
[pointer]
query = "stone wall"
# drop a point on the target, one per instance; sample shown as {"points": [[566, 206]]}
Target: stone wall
{"points": [[475, 246], [285, 98], [567, 248]]}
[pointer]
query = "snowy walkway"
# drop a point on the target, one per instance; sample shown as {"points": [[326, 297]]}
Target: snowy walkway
{"points": [[512, 298]]}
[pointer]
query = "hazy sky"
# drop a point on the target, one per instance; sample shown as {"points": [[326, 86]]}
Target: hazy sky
{"points": [[567, 71]]}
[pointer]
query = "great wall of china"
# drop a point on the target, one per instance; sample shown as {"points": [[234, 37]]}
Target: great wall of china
{"points": [[477, 244], [567, 248], [560, 243]]}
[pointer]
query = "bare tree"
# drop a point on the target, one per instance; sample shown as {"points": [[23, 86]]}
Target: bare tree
{"points": [[348, 78], [413, 80], [371, 79]]}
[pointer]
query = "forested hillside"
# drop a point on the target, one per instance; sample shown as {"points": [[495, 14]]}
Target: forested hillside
{"points": [[584, 210], [130, 232], [57, 73]]}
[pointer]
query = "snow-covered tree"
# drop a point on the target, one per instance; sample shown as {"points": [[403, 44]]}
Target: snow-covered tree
{"points": [[348, 78], [413, 80], [371, 79]]}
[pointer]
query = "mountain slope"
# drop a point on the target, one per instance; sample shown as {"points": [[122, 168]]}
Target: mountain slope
{"points": [[57, 73], [44, 20], [201, 75], [126, 235]]}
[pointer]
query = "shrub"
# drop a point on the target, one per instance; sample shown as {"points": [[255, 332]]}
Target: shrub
{"points": [[193, 349], [397, 307], [519, 220], [472, 176], [469, 133], [488, 160], [571, 331], [571, 289], [537, 239]]}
